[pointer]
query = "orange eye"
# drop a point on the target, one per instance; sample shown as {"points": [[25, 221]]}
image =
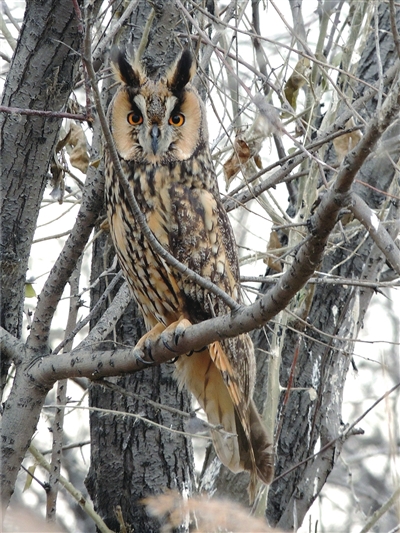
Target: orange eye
{"points": [[134, 119], [176, 120]]}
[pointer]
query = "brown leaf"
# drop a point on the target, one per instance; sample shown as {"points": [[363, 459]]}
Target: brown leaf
{"points": [[296, 81], [257, 161], [274, 245], [347, 141], [78, 156], [239, 157]]}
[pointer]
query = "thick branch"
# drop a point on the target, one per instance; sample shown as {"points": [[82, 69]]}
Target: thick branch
{"points": [[107, 363], [10, 346], [92, 202]]}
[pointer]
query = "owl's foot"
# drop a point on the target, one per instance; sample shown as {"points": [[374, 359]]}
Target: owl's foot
{"points": [[142, 349], [178, 328]]}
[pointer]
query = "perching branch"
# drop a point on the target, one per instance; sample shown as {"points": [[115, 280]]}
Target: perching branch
{"points": [[305, 263]]}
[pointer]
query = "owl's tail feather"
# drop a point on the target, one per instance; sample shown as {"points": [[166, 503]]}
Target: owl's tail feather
{"points": [[254, 447], [199, 374], [242, 442]]}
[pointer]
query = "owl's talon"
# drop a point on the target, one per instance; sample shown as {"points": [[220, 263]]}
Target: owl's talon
{"points": [[168, 346], [140, 359]]}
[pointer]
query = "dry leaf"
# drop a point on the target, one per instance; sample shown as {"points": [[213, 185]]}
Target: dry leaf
{"points": [[78, 156], [296, 81], [347, 141], [257, 161], [274, 245], [239, 157]]}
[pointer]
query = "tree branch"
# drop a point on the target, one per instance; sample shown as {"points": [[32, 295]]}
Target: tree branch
{"points": [[41, 113], [10, 346], [92, 202], [307, 259], [377, 231], [76, 494], [107, 363]]}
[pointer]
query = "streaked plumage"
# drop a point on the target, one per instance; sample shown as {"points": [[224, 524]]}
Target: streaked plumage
{"points": [[160, 132]]}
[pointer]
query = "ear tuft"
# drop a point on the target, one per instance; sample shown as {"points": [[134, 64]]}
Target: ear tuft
{"points": [[124, 68], [182, 72]]}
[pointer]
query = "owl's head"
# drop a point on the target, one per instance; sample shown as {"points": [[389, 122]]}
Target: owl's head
{"points": [[156, 121]]}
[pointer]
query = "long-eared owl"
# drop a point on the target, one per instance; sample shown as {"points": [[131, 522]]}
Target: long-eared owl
{"points": [[160, 132]]}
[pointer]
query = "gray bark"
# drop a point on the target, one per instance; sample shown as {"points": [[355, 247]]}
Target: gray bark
{"points": [[325, 367], [132, 459], [41, 76]]}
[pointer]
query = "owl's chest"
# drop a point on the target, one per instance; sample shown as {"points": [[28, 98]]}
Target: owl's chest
{"points": [[155, 287], [183, 216]]}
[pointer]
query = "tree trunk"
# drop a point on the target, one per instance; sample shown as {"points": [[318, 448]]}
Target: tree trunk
{"points": [[41, 77], [323, 362]]}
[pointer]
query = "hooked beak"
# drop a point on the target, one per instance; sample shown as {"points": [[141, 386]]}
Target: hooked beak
{"points": [[155, 134]]}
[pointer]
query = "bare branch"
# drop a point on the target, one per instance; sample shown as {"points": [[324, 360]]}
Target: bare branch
{"points": [[296, 159], [348, 432], [393, 500], [377, 231], [10, 346], [47, 369], [42, 113], [76, 494], [393, 25], [92, 202]]}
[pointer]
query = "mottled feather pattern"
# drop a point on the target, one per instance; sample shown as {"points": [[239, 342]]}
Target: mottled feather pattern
{"points": [[160, 132]]}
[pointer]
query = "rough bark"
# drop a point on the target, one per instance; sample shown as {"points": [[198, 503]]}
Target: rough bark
{"points": [[40, 77], [132, 459], [335, 310]]}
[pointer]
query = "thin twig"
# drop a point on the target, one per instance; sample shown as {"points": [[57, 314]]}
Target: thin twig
{"points": [[156, 405], [138, 417], [377, 231], [341, 437], [82, 323], [393, 26], [76, 494], [41, 113]]}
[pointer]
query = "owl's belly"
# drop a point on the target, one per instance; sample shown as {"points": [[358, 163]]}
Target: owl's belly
{"points": [[153, 285]]}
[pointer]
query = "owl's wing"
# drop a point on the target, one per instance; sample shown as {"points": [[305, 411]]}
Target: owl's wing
{"points": [[222, 378]]}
